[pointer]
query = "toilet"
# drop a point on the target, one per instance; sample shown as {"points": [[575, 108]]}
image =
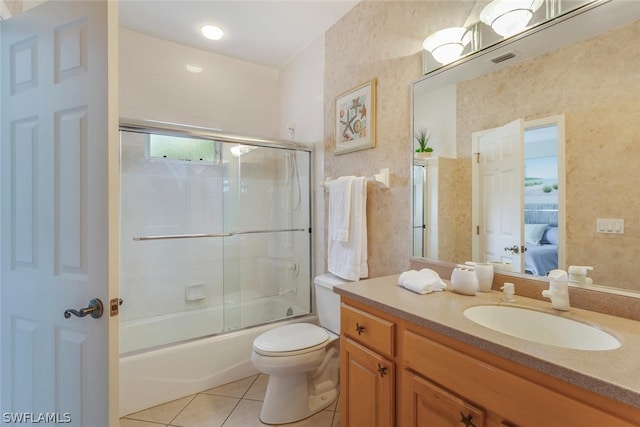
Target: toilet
{"points": [[302, 360]]}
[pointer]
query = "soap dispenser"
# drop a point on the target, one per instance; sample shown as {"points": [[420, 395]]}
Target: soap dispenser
{"points": [[558, 290]]}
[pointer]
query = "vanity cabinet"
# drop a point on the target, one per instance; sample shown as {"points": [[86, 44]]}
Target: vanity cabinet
{"points": [[435, 380], [367, 369]]}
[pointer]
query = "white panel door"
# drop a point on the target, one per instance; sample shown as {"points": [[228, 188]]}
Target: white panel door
{"points": [[501, 197], [58, 213]]}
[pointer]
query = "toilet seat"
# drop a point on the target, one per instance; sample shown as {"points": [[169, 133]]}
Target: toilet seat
{"points": [[290, 340]]}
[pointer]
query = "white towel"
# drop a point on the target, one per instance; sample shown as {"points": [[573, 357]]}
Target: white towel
{"points": [[339, 208], [348, 259], [422, 282]]}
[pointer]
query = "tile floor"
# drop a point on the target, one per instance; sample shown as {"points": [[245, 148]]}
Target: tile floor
{"points": [[236, 404]]}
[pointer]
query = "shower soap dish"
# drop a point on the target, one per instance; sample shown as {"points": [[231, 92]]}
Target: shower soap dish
{"points": [[195, 292]]}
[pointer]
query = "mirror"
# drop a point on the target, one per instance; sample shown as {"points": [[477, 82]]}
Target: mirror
{"points": [[585, 69]]}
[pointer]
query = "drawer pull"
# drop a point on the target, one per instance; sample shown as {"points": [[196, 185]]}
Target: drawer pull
{"points": [[359, 328], [382, 370], [465, 419]]}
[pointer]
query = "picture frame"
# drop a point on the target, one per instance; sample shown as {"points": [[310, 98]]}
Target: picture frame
{"points": [[355, 119]]}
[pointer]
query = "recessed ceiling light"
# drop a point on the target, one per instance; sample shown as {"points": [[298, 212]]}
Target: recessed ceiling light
{"points": [[212, 32], [193, 68]]}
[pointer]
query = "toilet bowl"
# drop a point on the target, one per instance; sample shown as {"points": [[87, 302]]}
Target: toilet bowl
{"points": [[302, 361]]}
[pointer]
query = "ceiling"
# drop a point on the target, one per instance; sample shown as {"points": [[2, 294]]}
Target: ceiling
{"points": [[264, 32]]}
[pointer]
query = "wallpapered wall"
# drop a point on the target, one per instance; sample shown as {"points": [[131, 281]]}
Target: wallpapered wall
{"points": [[595, 84], [383, 40]]}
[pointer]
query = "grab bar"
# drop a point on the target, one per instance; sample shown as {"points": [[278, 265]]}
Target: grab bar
{"points": [[197, 236]]}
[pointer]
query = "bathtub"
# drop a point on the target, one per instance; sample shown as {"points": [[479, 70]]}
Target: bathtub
{"points": [[162, 374]]}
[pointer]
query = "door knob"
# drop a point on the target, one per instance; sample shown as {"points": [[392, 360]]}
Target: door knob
{"points": [[516, 249], [95, 309]]}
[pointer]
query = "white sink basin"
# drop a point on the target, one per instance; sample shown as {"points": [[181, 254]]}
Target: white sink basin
{"points": [[541, 327]]}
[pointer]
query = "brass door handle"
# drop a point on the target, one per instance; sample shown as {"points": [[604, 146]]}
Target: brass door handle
{"points": [[95, 309]]}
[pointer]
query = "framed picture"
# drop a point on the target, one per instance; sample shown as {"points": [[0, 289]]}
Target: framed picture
{"points": [[356, 119]]}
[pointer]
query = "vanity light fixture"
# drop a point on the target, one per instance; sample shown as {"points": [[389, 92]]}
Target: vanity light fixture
{"points": [[447, 45], [212, 32], [509, 17]]}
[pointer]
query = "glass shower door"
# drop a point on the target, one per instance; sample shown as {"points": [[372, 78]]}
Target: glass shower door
{"points": [[215, 236], [267, 273], [170, 279]]}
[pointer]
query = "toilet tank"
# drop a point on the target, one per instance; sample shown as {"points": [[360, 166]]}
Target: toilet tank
{"points": [[327, 302]]}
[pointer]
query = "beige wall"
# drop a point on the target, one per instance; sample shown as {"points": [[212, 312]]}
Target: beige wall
{"points": [[383, 40], [596, 85]]}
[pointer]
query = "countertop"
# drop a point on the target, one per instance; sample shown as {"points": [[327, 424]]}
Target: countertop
{"points": [[611, 373]]}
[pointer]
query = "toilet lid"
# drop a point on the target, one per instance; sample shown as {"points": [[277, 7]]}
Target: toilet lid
{"points": [[296, 336]]}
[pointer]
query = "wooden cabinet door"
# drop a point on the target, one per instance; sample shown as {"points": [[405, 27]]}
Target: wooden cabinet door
{"points": [[426, 404], [367, 382]]}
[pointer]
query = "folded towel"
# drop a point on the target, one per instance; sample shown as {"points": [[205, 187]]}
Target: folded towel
{"points": [[422, 282], [339, 208]]}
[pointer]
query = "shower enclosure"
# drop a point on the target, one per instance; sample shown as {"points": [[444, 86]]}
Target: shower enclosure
{"points": [[215, 233]]}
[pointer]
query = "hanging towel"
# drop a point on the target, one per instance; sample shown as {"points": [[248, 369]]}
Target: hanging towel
{"points": [[339, 208], [348, 259], [422, 282]]}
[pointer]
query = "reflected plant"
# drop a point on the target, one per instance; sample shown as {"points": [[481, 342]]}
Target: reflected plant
{"points": [[423, 139]]}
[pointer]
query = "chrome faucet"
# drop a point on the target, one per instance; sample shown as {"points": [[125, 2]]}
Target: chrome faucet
{"points": [[558, 290]]}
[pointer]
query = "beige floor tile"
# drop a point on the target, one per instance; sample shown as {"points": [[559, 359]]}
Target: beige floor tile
{"points": [[321, 419], [246, 414], [206, 410], [234, 389], [162, 413], [258, 389], [124, 422]]}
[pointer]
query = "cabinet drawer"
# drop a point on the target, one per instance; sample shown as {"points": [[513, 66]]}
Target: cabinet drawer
{"points": [[367, 329]]}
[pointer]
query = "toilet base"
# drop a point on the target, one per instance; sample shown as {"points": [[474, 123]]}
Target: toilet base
{"points": [[299, 405], [292, 397]]}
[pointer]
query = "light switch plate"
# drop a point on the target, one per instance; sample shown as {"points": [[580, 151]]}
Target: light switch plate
{"points": [[610, 225]]}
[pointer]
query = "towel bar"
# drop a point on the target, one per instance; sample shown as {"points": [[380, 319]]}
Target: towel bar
{"points": [[381, 178]]}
